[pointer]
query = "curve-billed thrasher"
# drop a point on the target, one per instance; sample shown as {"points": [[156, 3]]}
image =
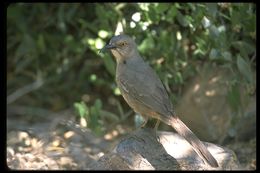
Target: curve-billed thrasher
{"points": [[144, 92]]}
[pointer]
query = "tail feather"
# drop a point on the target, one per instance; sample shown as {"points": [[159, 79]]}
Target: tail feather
{"points": [[197, 145]]}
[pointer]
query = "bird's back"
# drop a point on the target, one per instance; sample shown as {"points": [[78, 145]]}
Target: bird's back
{"points": [[141, 85]]}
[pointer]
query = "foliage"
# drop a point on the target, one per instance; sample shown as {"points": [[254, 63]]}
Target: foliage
{"points": [[59, 44], [90, 114]]}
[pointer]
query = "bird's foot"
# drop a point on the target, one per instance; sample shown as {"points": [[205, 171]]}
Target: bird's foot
{"points": [[155, 130]]}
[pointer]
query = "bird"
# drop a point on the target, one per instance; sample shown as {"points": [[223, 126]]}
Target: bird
{"points": [[145, 93]]}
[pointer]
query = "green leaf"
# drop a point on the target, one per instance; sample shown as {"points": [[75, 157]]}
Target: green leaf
{"points": [[182, 19], [179, 78], [41, 43], [146, 44], [94, 114], [27, 46], [214, 54], [98, 104], [162, 7], [250, 24], [171, 14], [227, 56], [235, 17], [213, 31], [81, 109], [245, 69], [96, 108], [245, 48], [153, 16], [15, 13], [212, 9]]}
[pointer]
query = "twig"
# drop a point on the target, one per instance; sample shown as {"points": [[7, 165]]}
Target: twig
{"points": [[24, 90]]}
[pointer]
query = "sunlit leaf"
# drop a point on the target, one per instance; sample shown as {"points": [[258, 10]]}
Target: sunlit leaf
{"points": [[81, 108]]}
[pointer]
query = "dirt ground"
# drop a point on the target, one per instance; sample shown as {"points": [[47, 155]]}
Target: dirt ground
{"points": [[61, 144]]}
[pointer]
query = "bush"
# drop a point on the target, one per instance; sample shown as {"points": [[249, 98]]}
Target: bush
{"points": [[58, 44]]}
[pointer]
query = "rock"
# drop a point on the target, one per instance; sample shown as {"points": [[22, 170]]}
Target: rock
{"points": [[141, 151]]}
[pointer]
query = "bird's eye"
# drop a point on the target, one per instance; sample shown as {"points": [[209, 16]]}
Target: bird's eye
{"points": [[122, 43]]}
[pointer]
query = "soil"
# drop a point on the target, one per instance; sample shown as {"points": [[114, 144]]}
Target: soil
{"points": [[61, 144]]}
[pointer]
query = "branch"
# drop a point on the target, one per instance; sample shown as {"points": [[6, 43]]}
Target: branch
{"points": [[24, 90]]}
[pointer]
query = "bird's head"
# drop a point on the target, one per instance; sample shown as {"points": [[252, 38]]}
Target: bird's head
{"points": [[122, 47]]}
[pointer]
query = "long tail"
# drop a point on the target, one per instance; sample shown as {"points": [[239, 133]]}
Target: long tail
{"points": [[197, 145]]}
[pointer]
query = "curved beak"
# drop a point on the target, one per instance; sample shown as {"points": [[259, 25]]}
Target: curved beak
{"points": [[108, 46]]}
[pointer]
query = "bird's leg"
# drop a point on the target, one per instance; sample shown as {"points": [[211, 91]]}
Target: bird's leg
{"points": [[155, 129], [156, 125], [145, 121]]}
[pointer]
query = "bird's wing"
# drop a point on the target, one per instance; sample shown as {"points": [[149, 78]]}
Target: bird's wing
{"points": [[144, 86]]}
